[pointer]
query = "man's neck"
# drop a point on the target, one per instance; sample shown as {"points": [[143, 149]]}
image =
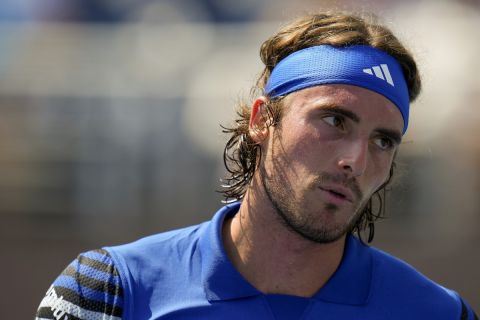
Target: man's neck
{"points": [[273, 258]]}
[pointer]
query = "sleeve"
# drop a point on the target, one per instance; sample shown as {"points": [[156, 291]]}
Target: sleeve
{"points": [[467, 312], [88, 289]]}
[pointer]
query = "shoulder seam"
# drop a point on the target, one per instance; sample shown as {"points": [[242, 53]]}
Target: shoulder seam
{"points": [[122, 271]]}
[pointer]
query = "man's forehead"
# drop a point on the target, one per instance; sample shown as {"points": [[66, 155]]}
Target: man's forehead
{"points": [[329, 92]]}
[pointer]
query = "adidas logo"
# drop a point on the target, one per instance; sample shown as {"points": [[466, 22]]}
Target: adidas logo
{"points": [[381, 72]]}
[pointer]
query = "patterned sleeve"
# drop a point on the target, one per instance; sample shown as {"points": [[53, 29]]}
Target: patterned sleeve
{"points": [[88, 289], [467, 312]]}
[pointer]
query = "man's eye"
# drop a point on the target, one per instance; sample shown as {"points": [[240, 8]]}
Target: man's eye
{"points": [[384, 143], [334, 121]]}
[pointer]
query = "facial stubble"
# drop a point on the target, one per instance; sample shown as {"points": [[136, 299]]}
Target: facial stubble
{"points": [[293, 216]]}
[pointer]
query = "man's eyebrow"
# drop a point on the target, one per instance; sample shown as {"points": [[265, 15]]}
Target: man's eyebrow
{"points": [[339, 110], [395, 135], [392, 134]]}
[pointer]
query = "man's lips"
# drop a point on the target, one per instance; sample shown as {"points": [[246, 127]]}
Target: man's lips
{"points": [[339, 191]]}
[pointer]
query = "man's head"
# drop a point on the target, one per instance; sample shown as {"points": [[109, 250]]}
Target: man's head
{"points": [[308, 164]]}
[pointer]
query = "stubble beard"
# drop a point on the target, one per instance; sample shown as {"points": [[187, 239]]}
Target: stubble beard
{"points": [[292, 214]]}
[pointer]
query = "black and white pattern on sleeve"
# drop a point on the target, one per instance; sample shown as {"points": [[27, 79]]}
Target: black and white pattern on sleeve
{"points": [[88, 289]]}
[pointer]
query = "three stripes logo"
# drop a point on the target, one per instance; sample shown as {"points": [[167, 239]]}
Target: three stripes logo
{"points": [[380, 72]]}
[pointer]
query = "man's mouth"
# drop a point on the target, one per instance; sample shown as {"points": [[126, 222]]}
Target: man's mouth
{"points": [[339, 193]]}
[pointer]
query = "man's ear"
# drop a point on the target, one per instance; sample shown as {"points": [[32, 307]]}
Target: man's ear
{"points": [[257, 127]]}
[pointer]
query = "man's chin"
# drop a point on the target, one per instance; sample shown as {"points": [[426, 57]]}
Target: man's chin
{"points": [[322, 234]]}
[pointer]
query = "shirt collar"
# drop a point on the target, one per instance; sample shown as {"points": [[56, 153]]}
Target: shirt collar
{"points": [[220, 278], [350, 284]]}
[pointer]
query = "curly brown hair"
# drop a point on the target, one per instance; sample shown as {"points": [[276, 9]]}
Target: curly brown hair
{"points": [[242, 155]]}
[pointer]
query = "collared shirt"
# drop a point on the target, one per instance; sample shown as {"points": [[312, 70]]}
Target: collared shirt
{"points": [[186, 274]]}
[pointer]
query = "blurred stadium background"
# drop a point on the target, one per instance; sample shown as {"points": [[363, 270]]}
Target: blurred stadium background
{"points": [[109, 128]]}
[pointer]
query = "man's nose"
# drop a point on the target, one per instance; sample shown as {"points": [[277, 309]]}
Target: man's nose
{"points": [[353, 159]]}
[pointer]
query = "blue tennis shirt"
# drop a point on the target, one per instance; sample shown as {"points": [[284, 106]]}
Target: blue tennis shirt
{"points": [[186, 274]]}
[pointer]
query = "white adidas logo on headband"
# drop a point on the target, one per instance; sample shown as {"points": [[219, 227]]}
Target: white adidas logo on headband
{"points": [[377, 70]]}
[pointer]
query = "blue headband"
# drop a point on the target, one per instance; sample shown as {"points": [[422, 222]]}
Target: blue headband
{"points": [[357, 65]]}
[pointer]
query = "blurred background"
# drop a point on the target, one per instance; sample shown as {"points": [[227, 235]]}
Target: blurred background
{"points": [[110, 114]]}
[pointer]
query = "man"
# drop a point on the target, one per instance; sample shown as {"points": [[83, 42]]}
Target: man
{"points": [[305, 160]]}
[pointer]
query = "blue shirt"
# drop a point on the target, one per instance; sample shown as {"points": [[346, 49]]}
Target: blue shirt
{"points": [[186, 274]]}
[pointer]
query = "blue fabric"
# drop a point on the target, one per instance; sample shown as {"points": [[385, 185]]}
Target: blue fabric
{"points": [[287, 307], [357, 65], [93, 273], [73, 284], [82, 292], [186, 274], [97, 256]]}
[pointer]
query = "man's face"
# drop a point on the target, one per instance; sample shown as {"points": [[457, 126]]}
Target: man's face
{"points": [[330, 152]]}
